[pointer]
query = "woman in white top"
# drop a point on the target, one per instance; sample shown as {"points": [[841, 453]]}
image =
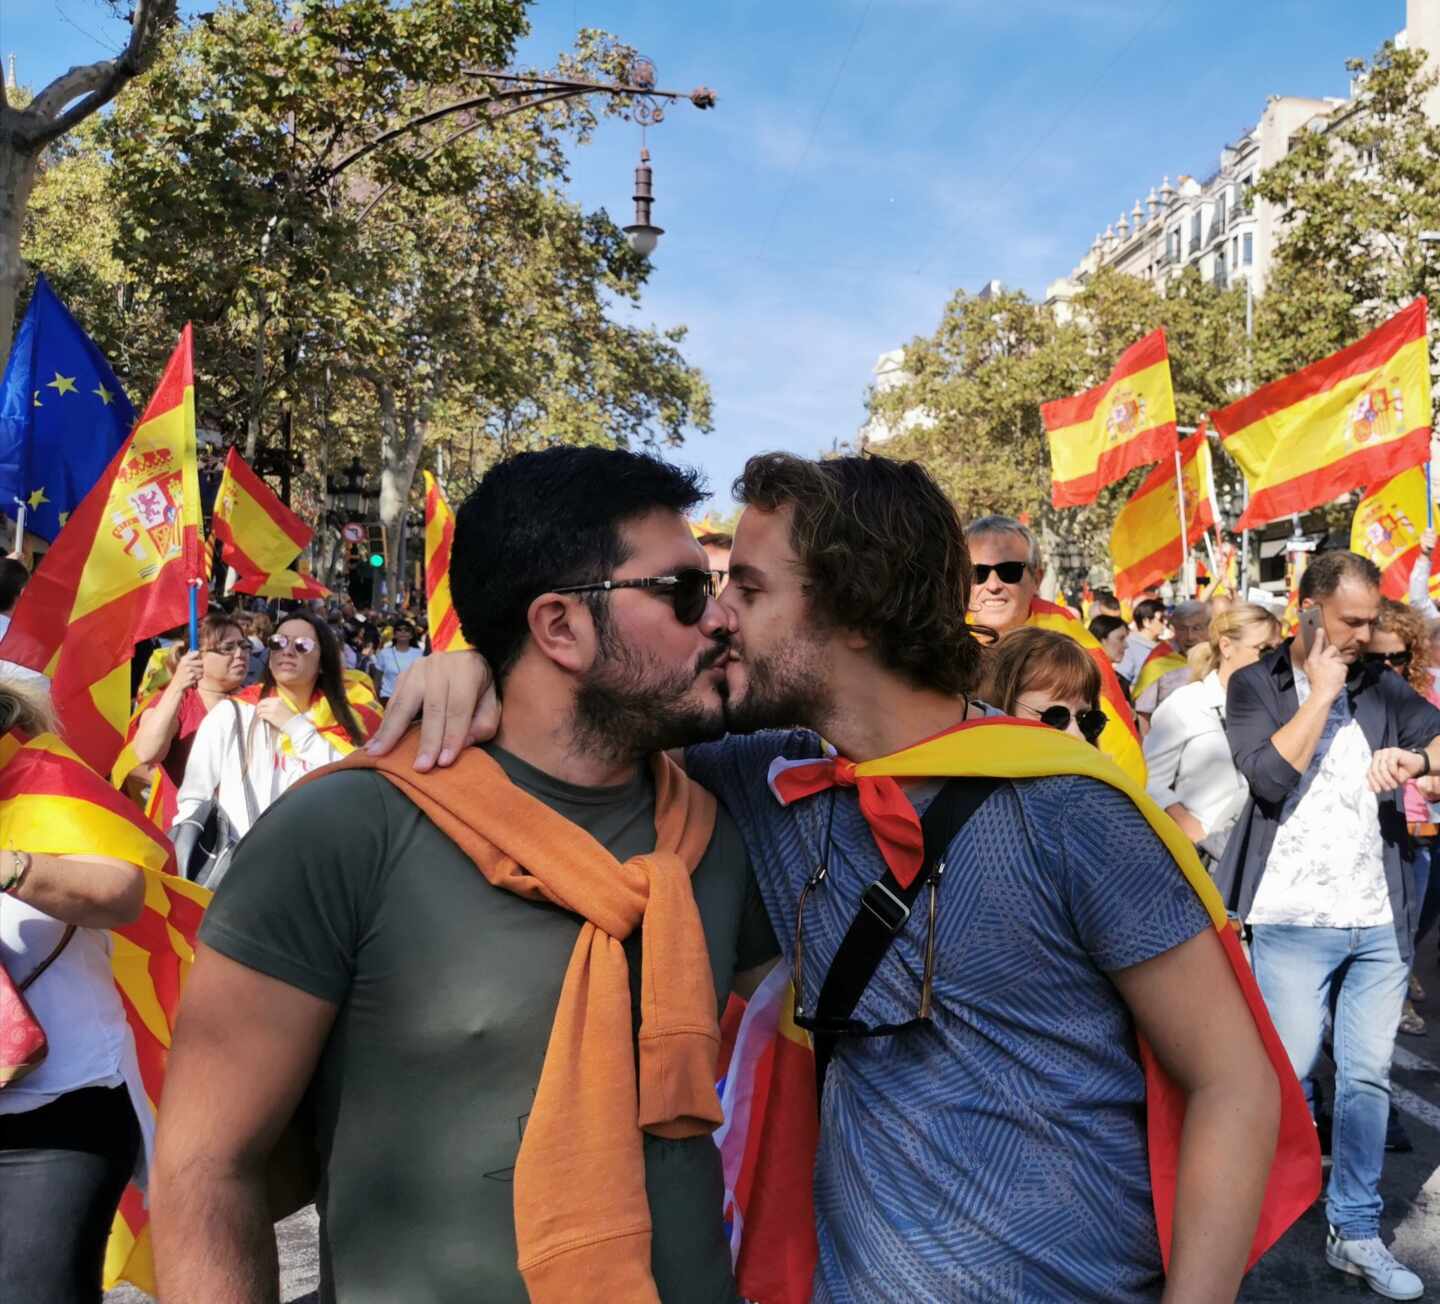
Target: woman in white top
{"points": [[392, 661], [69, 1135], [269, 742], [1192, 775]]}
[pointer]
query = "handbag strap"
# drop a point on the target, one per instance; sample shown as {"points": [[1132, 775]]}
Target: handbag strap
{"points": [[252, 806], [48, 960]]}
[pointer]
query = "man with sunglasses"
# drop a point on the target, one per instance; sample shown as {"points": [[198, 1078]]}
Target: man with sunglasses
{"points": [[983, 1132], [1319, 869], [472, 982]]}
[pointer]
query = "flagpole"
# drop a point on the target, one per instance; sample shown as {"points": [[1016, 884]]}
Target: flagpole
{"points": [[1184, 533], [194, 615]]}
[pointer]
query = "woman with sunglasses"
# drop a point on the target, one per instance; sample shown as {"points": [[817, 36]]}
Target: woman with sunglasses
{"points": [[1192, 774], [1038, 674], [299, 717], [1400, 642]]}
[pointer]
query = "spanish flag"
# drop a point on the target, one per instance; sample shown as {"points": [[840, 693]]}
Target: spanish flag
{"points": [[359, 693], [1120, 741], [292, 584], [1357, 417], [1145, 541], [51, 802], [1162, 660], [445, 635], [1018, 750], [258, 534], [1129, 421], [119, 572], [1387, 526]]}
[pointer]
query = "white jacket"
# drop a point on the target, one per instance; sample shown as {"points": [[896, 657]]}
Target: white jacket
{"points": [[214, 767], [1188, 759]]}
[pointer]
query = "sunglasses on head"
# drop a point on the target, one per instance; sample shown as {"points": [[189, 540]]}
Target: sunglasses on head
{"points": [[689, 589], [302, 645], [1010, 572], [1395, 660], [1091, 721]]}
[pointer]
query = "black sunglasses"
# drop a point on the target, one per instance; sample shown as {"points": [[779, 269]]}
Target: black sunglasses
{"points": [[1010, 572], [689, 589], [1395, 660], [1091, 720]]}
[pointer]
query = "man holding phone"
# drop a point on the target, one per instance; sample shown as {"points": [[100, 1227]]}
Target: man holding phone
{"points": [[1319, 868]]}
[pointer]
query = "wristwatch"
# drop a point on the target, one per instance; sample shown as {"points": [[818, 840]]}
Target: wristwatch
{"points": [[1424, 760]]}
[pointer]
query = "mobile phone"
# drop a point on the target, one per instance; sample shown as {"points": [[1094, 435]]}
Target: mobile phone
{"points": [[1305, 632]]}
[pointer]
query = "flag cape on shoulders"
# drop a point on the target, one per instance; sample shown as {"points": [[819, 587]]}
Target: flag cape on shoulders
{"points": [[1162, 660], [1128, 421], [51, 802], [1386, 528], [359, 692], [445, 635], [1120, 740], [1016, 750], [1145, 542], [1357, 417]]}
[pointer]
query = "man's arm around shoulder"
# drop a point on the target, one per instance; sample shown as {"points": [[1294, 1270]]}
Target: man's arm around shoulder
{"points": [[244, 1051]]}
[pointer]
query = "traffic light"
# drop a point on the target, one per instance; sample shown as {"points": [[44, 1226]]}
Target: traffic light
{"points": [[376, 560]]}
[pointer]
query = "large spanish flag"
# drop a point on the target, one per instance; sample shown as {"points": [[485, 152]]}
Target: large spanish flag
{"points": [[445, 635], [1145, 541], [296, 585], [119, 572], [1120, 741], [1387, 526], [51, 802], [1129, 421], [1357, 417], [258, 534]]}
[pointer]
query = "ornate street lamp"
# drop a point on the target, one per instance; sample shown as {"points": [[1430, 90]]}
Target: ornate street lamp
{"points": [[643, 237]]}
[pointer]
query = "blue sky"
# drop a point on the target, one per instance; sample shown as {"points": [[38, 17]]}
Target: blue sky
{"points": [[869, 157]]}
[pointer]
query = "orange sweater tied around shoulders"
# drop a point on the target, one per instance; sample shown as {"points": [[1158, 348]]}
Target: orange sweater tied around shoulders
{"points": [[582, 1219]]}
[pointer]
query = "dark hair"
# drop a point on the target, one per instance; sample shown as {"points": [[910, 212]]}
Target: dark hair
{"points": [[884, 554], [1323, 575], [1146, 610], [13, 579], [544, 520], [1106, 598], [1032, 658], [1103, 626], [216, 623], [331, 680]]}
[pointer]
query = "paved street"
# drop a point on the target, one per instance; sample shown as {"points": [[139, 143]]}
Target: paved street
{"points": [[1294, 1271]]}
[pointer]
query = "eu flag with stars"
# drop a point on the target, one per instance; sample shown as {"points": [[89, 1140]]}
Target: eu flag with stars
{"points": [[63, 415]]}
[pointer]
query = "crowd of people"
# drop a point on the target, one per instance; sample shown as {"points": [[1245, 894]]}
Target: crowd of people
{"points": [[480, 964]]}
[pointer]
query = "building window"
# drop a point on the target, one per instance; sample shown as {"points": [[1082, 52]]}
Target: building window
{"points": [[1218, 224], [1249, 247], [1235, 251], [1195, 231]]}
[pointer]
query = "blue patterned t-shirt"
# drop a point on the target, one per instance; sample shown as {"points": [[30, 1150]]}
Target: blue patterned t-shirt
{"points": [[999, 1153]]}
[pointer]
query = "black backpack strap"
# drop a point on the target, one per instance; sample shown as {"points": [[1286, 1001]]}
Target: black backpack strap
{"points": [[885, 909]]}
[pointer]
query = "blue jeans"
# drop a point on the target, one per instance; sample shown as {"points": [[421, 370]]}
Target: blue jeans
{"points": [[1357, 976]]}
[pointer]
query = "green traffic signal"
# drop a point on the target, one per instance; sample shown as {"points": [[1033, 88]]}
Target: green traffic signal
{"points": [[376, 559]]}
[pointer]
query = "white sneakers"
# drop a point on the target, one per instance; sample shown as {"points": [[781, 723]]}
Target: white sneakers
{"points": [[1369, 1258]]}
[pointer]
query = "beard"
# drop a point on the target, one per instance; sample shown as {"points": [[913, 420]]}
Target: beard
{"points": [[631, 705], [783, 690]]}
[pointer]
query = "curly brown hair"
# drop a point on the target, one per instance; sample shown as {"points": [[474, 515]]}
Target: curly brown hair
{"points": [[884, 554], [1408, 625]]}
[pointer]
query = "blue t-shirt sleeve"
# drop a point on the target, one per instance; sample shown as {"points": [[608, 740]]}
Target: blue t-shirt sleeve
{"points": [[737, 768], [1128, 898]]}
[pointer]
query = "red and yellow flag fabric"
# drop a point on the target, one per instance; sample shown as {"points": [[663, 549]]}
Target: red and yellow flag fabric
{"points": [[257, 532], [1162, 660], [1120, 741], [777, 1266], [119, 572], [51, 802], [295, 585], [1357, 417], [445, 635], [1387, 526], [1129, 421], [1145, 541], [359, 693], [1226, 581]]}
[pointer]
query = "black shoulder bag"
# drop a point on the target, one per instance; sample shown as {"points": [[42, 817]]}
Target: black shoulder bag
{"points": [[885, 908]]}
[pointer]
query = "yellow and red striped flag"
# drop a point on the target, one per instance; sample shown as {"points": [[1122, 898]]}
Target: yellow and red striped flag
{"points": [[359, 693], [293, 584], [1162, 660], [1100, 435], [1386, 528], [119, 572], [1357, 417], [51, 802], [1120, 740], [1145, 541], [1226, 581], [258, 534], [445, 635]]}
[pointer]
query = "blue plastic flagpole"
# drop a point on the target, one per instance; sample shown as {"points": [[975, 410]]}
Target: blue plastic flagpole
{"points": [[194, 616]]}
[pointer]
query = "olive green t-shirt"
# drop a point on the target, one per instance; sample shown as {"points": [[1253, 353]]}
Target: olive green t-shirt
{"points": [[447, 989]]}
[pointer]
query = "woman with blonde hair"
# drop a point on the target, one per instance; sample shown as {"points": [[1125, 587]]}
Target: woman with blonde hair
{"points": [[1038, 674], [1192, 775]]}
